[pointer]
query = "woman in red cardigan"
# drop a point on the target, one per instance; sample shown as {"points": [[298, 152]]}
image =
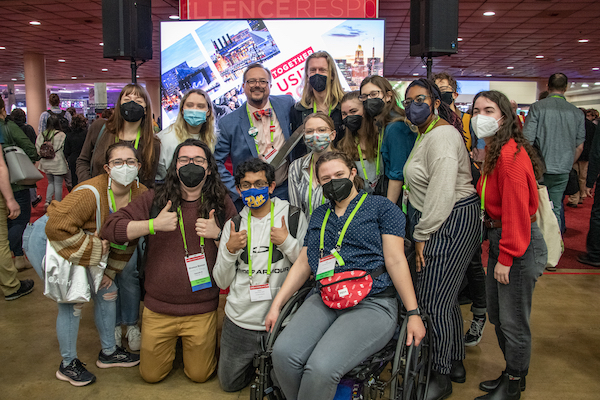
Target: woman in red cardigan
{"points": [[517, 255]]}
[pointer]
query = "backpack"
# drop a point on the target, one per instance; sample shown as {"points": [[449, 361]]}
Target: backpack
{"points": [[64, 122], [47, 149]]}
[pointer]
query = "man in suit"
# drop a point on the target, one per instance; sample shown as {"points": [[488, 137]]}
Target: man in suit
{"points": [[258, 128]]}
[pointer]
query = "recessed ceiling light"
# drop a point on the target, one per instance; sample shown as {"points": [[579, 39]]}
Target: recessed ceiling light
{"points": [[539, 56], [35, 23], [459, 39], [488, 74], [2, 48], [595, 69], [423, 66], [583, 40], [101, 43], [104, 69], [489, 13], [61, 60], [416, 74], [137, 76], [585, 85], [73, 77], [13, 79], [597, 83], [173, 16], [510, 67]]}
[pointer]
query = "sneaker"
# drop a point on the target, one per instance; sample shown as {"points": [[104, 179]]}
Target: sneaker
{"points": [[120, 358], [134, 337], [473, 337], [118, 335], [37, 201], [75, 373], [26, 288]]}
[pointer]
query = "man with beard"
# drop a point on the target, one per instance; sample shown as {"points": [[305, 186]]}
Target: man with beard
{"points": [[258, 129]]}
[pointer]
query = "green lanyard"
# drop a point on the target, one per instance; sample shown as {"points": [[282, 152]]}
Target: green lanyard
{"points": [[182, 229], [315, 108], [249, 245], [362, 163], [483, 195], [310, 184], [338, 246], [271, 127], [419, 139], [558, 96], [114, 208], [137, 139]]}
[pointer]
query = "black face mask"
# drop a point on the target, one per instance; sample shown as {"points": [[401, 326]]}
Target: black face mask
{"points": [[353, 122], [337, 190], [132, 111], [191, 175], [318, 82], [373, 107], [447, 97]]}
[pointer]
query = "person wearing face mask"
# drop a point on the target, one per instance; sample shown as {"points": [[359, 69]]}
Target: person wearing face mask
{"points": [[184, 215], [442, 208], [131, 122], [70, 226], [338, 339], [304, 189], [195, 120], [509, 201], [254, 259], [397, 138], [322, 91]]}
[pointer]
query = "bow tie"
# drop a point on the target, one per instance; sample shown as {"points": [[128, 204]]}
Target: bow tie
{"points": [[267, 112]]}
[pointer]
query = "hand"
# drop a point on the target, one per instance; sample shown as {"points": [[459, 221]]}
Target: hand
{"points": [[166, 221], [588, 192], [278, 235], [105, 244], [419, 246], [271, 318], [14, 210], [207, 228], [105, 282], [237, 240], [415, 330], [501, 273]]}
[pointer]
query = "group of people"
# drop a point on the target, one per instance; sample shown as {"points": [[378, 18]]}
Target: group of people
{"points": [[369, 174]]}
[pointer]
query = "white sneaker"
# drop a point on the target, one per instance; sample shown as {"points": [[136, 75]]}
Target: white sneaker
{"points": [[134, 337], [118, 335]]}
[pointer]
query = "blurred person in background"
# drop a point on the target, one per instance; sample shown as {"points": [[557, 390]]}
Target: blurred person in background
{"points": [[74, 144]]}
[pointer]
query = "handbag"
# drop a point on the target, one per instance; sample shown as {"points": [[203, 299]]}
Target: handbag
{"points": [[572, 183], [20, 168], [65, 282], [347, 289], [548, 224]]}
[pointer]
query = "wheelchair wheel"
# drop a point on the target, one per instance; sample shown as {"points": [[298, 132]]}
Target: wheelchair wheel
{"points": [[411, 367]]}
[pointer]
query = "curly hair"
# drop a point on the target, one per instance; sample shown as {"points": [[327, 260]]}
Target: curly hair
{"points": [[19, 116], [509, 129], [444, 110], [347, 143], [254, 165], [213, 191], [79, 124]]}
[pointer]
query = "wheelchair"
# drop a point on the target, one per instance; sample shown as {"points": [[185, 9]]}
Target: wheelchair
{"points": [[409, 373]]}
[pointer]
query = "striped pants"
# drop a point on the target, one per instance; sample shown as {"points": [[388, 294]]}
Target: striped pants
{"points": [[447, 255]]}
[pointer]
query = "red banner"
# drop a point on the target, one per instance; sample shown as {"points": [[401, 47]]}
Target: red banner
{"points": [[270, 9]]}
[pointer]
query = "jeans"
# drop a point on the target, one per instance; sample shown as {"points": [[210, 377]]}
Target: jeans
{"points": [[320, 345], [593, 237], [509, 306], [476, 279], [556, 185], [67, 323], [17, 226], [55, 187], [128, 301], [34, 243]]}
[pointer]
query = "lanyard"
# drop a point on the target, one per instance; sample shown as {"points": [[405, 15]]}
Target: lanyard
{"points": [[483, 194], [112, 199], [182, 229], [315, 108], [249, 245], [338, 245], [362, 163], [310, 185], [137, 139], [558, 96], [419, 139], [271, 127]]}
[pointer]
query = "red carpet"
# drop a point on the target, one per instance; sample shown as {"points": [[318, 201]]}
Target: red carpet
{"points": [[42, 185]]}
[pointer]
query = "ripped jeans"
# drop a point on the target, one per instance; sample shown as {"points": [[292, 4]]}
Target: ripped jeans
{"points": [[67, 323]]}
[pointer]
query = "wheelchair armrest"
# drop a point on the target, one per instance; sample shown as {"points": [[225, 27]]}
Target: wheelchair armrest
{"points": [[295, 301]]}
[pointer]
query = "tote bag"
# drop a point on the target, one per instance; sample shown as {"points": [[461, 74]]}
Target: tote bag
{"points": [[20, 168], [548, 224]]}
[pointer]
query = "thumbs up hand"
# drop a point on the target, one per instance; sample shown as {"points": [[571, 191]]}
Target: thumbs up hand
{"points": [[207, 228], [237, 240], [278, 235], [166, 221]]}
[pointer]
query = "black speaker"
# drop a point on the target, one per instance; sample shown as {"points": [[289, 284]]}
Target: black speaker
{"points": [[127, 29], [433, 28]]}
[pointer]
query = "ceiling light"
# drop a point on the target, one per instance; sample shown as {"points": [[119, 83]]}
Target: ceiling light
{"points": [[597, 83], [173, 16], [35, 23], [595, 69], [13, 79], [416, 74], [488, 74], [423, 66], [104, 69], [73, 77], [137, 76], [539, 56], [583, 40], [2, 48], [510, 67], [585, 85], [459, 39], [101, 43], [489, 13], [61, 60]]}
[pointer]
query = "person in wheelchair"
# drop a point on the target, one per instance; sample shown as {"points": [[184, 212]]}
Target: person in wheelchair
{"points": [[256, 252], [356, 235]]}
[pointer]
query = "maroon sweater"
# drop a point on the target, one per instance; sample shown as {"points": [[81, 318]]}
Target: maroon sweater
{"points": [[168, 288]]}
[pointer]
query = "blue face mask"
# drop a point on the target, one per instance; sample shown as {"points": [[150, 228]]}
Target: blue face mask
{"points": [[417, 113], [194, 117], [255, 198]]}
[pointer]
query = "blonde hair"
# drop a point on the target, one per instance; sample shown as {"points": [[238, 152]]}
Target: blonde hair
{"points": [[333, 90], [207, 131]]}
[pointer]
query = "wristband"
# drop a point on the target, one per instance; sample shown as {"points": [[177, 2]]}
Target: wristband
{"points": [[416, 311], [151, 226]]}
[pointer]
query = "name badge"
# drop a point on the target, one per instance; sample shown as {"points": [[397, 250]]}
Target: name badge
{"points": [[405, 201], [198, 272], [326, 267], [260, 292], [271, 155]]}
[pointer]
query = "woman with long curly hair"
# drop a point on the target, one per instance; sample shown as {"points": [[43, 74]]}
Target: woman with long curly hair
{"points": [[182, 221], [518, 253]]}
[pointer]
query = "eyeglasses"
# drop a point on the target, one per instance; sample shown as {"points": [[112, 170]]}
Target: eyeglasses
{"points": [[372, 95], [322, 129], [419, 99], [254, 82], [245, 185], [117, 162], [196, 160]]}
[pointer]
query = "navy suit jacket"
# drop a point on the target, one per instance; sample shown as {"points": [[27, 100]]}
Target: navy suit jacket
{"points": [[234, 140]]}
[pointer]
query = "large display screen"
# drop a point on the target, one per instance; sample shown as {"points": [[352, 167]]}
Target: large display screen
{"points": [[212, 55]]}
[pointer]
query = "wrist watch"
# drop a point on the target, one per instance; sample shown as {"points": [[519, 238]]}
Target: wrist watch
{"points": [[219, 236], [416, 311]]}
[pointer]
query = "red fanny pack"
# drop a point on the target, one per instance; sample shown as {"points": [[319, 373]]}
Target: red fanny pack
{"points": [[347, 289]]}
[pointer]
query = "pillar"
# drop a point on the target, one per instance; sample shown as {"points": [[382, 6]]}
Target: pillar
{"points": [[100, 100], [153, 88], [35, 87], [542, 86]]}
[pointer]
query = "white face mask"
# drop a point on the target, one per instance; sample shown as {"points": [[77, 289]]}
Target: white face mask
{"points": [[124, 174], [485, 126]]}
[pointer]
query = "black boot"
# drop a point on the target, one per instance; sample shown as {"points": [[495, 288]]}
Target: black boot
{"points": [[506, 390], [440, 386], [458, 373], [488, 386]]}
